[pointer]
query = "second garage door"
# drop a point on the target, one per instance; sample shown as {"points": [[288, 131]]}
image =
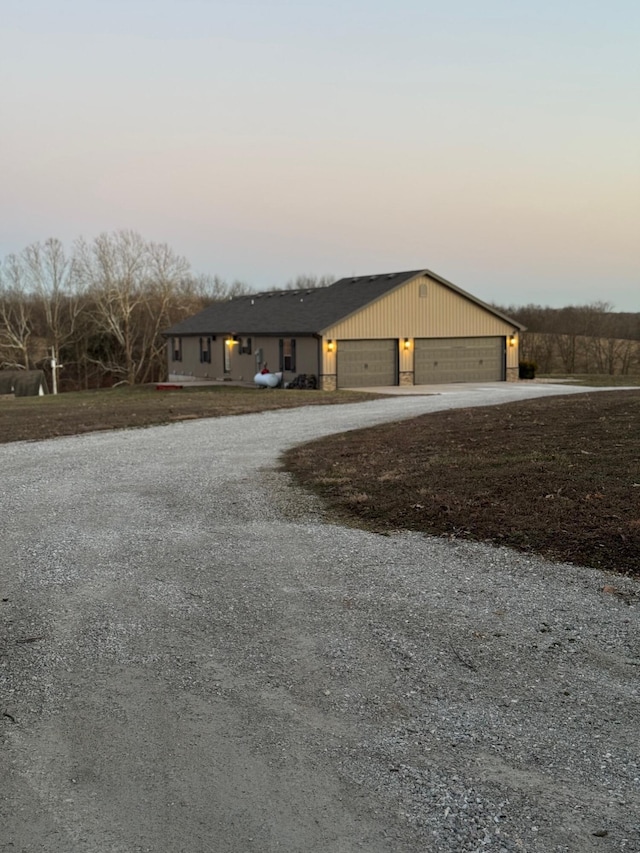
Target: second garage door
{"points": [[363, 364], [440, 360]]}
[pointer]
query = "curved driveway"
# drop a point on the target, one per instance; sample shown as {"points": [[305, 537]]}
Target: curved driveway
{"points": [[192, 660]]}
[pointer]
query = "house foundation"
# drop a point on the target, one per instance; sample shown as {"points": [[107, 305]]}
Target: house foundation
{"points": [[328, 382], [512, 374]]}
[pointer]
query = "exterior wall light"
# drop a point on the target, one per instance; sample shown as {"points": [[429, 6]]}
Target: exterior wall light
{"points": [[512, 340], [406, 343], [330, 345]]}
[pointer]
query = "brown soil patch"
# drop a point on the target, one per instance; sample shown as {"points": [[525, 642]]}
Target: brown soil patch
{"points": [[558, 476]]}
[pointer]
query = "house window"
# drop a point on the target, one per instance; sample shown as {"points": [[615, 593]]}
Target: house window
{"points": [[246, 346], [422, 291], [205, 350], [176, 349], [287, 354]]}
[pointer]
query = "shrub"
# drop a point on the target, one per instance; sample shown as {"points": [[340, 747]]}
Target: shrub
{"points": [[527, 369]]}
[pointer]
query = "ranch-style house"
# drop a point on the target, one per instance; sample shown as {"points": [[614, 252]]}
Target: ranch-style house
{"points": [[402, 328]]}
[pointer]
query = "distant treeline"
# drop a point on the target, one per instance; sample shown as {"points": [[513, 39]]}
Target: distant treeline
{"points": [[102, 307], [579, 338]]}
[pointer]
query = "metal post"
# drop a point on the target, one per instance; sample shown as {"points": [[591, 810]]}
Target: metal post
{"points": [[54, 370]]}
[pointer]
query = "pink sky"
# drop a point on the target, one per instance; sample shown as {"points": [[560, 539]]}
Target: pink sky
{"points": [[496, 146]]}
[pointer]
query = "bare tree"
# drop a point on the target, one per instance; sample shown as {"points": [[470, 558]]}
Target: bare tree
{"points": [[135, 289], [538, 348], [306, 281], [102, 308], [167, 294], [16, 314], [579, 338], [56, 293], [212, 288], [114, 268]]}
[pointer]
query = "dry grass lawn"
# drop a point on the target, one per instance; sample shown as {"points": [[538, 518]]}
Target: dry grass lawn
{"points": [[31, 418]]}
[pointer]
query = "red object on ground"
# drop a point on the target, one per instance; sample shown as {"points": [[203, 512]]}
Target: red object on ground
{"points": [[165, 386]]}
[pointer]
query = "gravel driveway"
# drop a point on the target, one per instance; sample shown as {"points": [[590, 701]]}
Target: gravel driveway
{"points": [[192, 659]]}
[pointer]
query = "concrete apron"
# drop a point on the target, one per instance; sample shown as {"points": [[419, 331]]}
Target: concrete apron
{"points": [[452, 388]]}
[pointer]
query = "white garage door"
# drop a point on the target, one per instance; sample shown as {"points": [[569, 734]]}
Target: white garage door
{"points": [[439, 360], [362, 364]]}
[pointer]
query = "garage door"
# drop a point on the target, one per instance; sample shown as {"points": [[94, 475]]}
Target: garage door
{"points": [[440, 360], [362, 364]]}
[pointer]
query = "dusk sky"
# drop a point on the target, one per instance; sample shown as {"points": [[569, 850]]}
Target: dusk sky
{"points": [[496, 143]]}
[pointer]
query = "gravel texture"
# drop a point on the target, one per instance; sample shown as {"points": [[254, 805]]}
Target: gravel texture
{"points": [[193, 659]]}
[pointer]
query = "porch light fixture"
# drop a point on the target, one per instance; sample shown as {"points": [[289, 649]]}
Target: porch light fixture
{"points": [[330, 345], [512, 340], [230, 342], [406, 343]]}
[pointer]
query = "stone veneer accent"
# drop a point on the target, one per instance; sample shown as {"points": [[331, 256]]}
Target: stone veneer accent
{"points": [[328, 382], [406, 378], [513, 374]]}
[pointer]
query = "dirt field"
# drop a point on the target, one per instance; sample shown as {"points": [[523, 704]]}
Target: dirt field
{"points": [[558, 476]]}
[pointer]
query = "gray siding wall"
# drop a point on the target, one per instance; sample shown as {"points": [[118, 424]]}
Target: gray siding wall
{"points": [[243, 366], [190, 364]]}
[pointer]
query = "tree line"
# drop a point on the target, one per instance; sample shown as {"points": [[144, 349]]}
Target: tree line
{"points": [[101, 307], [590, 338]]}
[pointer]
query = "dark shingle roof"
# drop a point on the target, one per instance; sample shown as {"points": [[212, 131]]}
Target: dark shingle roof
{"points": [[301, 312], [23, 383]]}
